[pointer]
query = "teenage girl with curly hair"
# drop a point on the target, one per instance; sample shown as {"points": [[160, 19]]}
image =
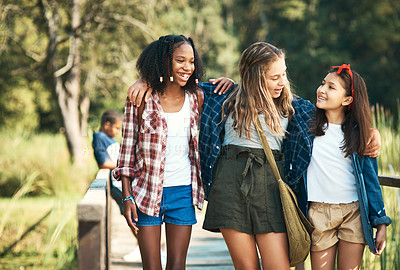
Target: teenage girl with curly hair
{"points": [[159, 159]]}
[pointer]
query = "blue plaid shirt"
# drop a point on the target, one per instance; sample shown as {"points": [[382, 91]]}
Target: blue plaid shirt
{"points": [[210, 129], [297, 144]]}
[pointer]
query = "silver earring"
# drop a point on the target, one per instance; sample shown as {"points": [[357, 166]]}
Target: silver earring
{"points": [[171, 79]]}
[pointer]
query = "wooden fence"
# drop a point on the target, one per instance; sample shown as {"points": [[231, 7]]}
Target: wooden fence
{"points": [[95, 226]]}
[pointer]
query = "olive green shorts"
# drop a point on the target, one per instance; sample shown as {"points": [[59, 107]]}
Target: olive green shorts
{"points": [[245, 195]]}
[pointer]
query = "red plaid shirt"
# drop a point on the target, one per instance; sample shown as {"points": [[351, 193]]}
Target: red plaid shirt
{"points": [[142, 154]]}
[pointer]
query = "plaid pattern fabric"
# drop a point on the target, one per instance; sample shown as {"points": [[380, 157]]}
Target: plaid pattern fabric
{"points": [[142, 154], [297, 146], [210, 129]]}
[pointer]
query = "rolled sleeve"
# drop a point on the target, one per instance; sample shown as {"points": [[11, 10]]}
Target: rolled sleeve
{"points": [[377, 213], [382, 220]]}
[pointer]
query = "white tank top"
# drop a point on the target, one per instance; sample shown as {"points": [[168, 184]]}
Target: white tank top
{"points": [[274, 140], [330, 177], [177, 162]]}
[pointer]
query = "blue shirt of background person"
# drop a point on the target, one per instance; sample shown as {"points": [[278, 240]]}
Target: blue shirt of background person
{"points": [[106, 148]]}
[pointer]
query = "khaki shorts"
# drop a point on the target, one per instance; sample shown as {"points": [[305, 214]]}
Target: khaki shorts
{"points": [[334, 222]]}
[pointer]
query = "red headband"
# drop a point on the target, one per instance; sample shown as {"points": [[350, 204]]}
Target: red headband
{"points": [[347, 68]]}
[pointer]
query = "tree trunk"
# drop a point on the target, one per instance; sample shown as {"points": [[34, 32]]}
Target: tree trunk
{"points": [[67, 79], [84, 107]]}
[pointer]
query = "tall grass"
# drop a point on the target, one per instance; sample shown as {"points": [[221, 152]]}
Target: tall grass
{"points": [[50, 244], [389, 164], [47, 156], [40, 190]]}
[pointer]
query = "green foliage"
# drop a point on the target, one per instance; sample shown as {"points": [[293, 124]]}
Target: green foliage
{"points": [[44, 158], [389, 164], [18, 110], [42, 233], [38, 225], [315, 34], [318, 34], [389, 158]]}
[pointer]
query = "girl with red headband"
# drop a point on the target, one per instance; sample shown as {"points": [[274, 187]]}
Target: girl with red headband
{"points": [[344, 195]]}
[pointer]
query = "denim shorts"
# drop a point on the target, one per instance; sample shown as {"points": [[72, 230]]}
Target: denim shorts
{"points": [[176, 208]]}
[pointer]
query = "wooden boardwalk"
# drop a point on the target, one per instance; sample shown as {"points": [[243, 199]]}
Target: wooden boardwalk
{"points": [[206, 251]]}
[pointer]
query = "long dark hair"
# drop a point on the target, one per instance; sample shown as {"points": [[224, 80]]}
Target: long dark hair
{"points": [[156, 61], [357, 122]]}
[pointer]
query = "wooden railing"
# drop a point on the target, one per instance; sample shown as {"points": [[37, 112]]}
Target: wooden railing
{"points": [[95, 226], [390, 181]]}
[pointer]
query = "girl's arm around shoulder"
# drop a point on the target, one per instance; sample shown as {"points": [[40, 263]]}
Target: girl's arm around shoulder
{"points": [[220, 85], [304, 109], [373, 143], [302, 104]]}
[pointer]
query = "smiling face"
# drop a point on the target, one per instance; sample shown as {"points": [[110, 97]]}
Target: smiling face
{"points": [[276, 77], [182, 64], [331, 94]]}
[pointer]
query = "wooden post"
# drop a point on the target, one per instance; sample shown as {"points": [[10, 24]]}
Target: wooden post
{"points": [[93, 217]]}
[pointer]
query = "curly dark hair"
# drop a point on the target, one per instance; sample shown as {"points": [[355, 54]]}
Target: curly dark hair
{"points": [[156, 61]]}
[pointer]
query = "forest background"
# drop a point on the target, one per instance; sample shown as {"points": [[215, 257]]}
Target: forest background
{"points": [[63, 63]]}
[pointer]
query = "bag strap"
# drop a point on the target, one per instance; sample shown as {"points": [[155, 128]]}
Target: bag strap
{"points": [[267, 149]]}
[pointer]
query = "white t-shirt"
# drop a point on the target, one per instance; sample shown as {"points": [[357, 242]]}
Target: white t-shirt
{"points": [[177, 163], [274, 140], [330, 177]]}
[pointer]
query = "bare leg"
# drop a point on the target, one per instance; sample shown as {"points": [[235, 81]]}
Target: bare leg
{"points": [[149, 243], [349, 255], [178, 238], [273, 249], [242, 248], [324, 259]]}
